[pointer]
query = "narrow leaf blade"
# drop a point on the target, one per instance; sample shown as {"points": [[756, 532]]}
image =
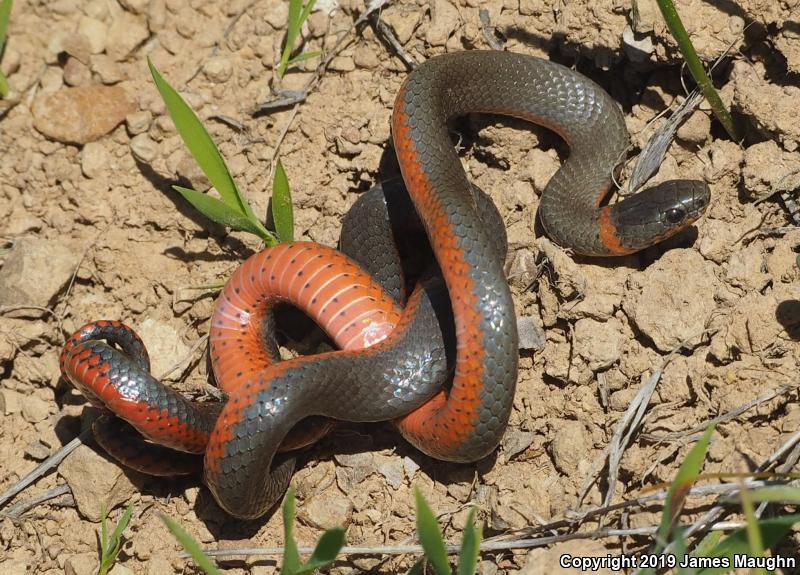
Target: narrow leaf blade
{"points": [[5, 16], [192, 547], [470, 546], [282, 210], [291, 557], [772, 531], [199, 143], [679, 488], [222, 213], [430, 536], [325, 552]]}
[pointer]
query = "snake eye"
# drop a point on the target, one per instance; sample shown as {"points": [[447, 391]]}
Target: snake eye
{"points": [[675, 215]]}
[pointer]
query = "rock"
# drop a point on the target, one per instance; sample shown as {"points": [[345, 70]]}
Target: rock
{"points": [[95, 482], [76, 73], [135, 6], [138, 122], [81, 564], [218, 69], [569, 447], [544, 561], [759, 322], [276, 17], [95, 32], [128, 31], [34, 272], [108, 70], [531, 334], [77, 46], [598, 343], [364, 56], [328, 509], [343, 64], [120, 569], [669, 311], [158, 564], [637, 46], [143, 148], [444, 21], [391, 468], [769, 106], [403, 20], [746, 268], [13, 567], [35, 409], [37, 450], [10, 401], [696, 129], [81, 115], [784, 172], [164, 343], [94, 160]]}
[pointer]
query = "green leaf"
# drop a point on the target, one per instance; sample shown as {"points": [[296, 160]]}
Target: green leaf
{"points": [[304, 56], [298, 14], [5, 16], [200, 144], [291, 557], [325, 552], [751, 522], [680, 551], [192, 547], [771, 531], [776, 494], [707, 543], [3, 86], [470, 546], [686, 47], [431, 536], [110, 546], [417, 568], [222, 213], [680, 486], [282, 212]]}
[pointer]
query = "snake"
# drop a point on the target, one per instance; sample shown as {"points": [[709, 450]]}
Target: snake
{"points": [[446, 379]]}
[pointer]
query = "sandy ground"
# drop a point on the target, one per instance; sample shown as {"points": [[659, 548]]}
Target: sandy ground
{"points": [[92, 230]]}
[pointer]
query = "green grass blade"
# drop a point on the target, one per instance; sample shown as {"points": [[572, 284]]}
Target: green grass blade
{"points": [[776, 494], [470, 546], [307, 11], [325, 552], [679, 488], [417, 568], [105, 563], [282, 211], [293, 25], [430, 536], [771, 532], [5, 16], [191, 546], [680, 551], [708, 542], [222, 213], [678, 30], [200, 144], [751, 527], [110, 546], [291, 557], [304, 56]]}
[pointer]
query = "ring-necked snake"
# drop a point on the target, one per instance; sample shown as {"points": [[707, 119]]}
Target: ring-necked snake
{"points": [[394, 361]]}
